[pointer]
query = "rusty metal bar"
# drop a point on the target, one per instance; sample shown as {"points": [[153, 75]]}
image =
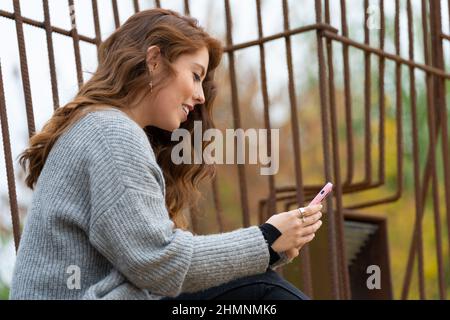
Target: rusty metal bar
{"points": [[305, 259], [187, 11], [438, 232], [266, 103], [280, 35], [98, 34], [433, 131], [441, 104], [76, 43], [426, 179], [345, 282], [271, 199], [51, 54], [24, 68], [346, 188], [399, 122], [41, 25], [294, 115], [309, 194], [115, 13], [367, 101], [136, 5], [335, 266], [416, 151], [9, 165], [395, 57], [347, 98], [236, 116], [382, 106], [430, 165], [360, 186]]}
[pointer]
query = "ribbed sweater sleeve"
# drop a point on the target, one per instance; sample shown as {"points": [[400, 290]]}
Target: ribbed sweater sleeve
{"points": [[130, 224]]}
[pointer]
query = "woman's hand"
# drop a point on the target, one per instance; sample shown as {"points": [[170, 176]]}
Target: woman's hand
{"points": [[295, 233]]}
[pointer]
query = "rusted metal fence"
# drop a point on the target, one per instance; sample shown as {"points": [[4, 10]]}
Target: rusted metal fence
{"points": [[425, 180]]}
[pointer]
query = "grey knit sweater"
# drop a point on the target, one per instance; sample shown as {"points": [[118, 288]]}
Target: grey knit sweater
{"points": [[98, 226]]}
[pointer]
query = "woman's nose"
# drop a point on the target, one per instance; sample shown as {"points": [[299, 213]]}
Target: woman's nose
{"points": [[200, 96]]}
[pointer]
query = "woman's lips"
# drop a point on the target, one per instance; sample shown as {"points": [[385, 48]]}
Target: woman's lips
{"points": [[185, 116], [186, 108]]}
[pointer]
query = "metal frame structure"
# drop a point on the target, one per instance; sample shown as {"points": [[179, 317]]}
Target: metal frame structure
{"points": [[425, 181]]}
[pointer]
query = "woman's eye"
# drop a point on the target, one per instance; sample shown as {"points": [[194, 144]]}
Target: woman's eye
{"points": [[196, 77]]}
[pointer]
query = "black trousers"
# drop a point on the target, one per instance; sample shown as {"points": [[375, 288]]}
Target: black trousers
{"points": [[267, 286]]}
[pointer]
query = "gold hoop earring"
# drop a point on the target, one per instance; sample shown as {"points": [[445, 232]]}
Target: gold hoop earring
{"points": [[151, 81]]}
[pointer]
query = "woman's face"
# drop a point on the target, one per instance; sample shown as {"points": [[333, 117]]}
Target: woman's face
{"points": [[171, 105]]}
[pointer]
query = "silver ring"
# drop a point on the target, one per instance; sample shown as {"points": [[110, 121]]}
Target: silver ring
{"points": [[302, 214]]}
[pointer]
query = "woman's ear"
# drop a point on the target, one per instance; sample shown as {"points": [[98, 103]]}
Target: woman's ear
{"points": [[153, 57]]}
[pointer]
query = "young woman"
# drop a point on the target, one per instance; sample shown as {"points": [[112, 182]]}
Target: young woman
{"points": [[106, 217]]}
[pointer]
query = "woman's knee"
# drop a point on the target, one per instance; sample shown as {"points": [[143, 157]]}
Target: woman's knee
{"points": [[278, 286]]}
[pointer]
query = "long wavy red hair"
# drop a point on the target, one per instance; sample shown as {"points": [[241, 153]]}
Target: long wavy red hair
{"points": [[123, 74]]}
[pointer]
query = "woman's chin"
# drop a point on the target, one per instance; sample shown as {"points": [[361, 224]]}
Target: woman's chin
{"points": [[173, 126]]}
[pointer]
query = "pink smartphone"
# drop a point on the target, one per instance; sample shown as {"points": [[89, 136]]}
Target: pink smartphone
{"points": [[322, 194]]}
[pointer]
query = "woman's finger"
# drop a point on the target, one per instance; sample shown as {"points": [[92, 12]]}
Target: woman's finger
{"points": [[307, 221], [292, 253], [311, 228], [306, 239], [307, 211]]}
